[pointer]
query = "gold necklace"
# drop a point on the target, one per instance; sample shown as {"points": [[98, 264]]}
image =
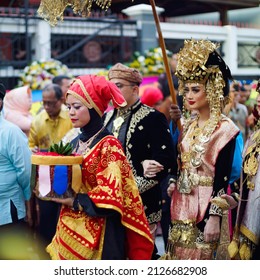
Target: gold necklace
{"points": [[84, 147], [197, 137]]}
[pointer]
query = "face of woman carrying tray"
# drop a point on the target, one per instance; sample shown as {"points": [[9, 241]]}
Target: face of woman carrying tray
{"points": [[79, 113]]}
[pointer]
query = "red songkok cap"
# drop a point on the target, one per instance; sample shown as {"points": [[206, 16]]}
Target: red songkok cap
{"points": [[96, 92], [151, 96]]}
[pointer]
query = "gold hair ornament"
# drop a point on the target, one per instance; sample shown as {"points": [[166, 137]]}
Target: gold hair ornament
{"points": [[192, 59], [52, 11]]}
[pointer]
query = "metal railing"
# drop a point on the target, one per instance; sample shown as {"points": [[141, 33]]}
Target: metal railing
{"points": [[78, 42]]}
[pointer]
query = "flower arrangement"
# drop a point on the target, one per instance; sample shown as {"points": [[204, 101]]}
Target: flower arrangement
{"points": [[103, 72], [40, 73], [150, 63]]}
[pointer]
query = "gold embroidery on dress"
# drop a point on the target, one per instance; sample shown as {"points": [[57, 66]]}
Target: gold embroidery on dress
{"points": [[129, 187], [81, 236], [183, 232], [251, 161], [154, 217], [113, 173], [197, 137]]}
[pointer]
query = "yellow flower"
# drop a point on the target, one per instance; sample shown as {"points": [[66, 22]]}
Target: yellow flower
{"points": [[40, 73], [150, 63]]}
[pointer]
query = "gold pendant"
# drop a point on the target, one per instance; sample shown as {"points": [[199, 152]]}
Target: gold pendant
{"points": [[203, 139], [199, 149], [196, 162], [184, 184], [251, 166], [250, 185]]}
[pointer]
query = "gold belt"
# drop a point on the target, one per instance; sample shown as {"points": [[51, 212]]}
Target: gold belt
{"points": [[187, 181], [200, 180]]}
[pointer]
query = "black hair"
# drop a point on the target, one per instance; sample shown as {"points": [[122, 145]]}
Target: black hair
{"points": [[2, 91], [258, 86], [216, 59], [2, 94], [236, 87], [56, 88], [58, 79], [242, 88]]}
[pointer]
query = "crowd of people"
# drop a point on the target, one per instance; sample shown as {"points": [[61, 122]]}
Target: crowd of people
{"points": [[141, 173]]}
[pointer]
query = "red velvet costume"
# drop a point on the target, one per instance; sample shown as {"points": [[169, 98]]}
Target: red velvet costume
{"points": [[110, 184]]}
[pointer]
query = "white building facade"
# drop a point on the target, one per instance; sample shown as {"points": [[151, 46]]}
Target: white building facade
{"points": [[240, 46]]}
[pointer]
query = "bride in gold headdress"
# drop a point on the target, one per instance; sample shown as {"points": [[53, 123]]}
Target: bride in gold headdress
{"points": [[205, 154]]}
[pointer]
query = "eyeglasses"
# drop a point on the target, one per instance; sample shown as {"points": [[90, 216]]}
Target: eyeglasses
{"points": [[120, 85], [49, 103]]}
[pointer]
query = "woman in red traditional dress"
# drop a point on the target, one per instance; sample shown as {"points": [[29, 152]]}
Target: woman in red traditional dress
{"points": [[105, 220]]}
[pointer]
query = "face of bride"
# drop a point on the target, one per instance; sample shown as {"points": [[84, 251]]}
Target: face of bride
{"points": [[196, 96], [78, 112]]}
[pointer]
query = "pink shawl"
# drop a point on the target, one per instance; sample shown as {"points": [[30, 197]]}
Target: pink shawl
{"points": [[17, 105]]}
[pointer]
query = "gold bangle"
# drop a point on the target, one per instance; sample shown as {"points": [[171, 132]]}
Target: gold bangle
{"points": [[171, 180], [236, 196], [220, 202]]}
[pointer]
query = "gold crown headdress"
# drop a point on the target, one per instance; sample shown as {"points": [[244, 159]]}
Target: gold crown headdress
{"points": [[199, 62], [192, 59]]}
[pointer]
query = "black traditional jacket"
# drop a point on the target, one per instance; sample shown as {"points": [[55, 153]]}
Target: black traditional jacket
{"points": [[144, 133]]}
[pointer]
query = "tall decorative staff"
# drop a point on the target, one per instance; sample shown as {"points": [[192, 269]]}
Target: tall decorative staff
{"points": [[165, 58]]}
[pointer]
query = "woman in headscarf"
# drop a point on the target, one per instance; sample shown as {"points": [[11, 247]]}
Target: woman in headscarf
{"points": [[105, 220], [206, 148], [17, 107]]}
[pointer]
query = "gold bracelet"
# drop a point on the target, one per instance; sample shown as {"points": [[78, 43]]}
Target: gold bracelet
{"points": [[171, 180], [236, 196]]}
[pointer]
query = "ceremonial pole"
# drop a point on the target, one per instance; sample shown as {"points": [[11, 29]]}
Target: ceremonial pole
{"points": [[165, 58]]}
